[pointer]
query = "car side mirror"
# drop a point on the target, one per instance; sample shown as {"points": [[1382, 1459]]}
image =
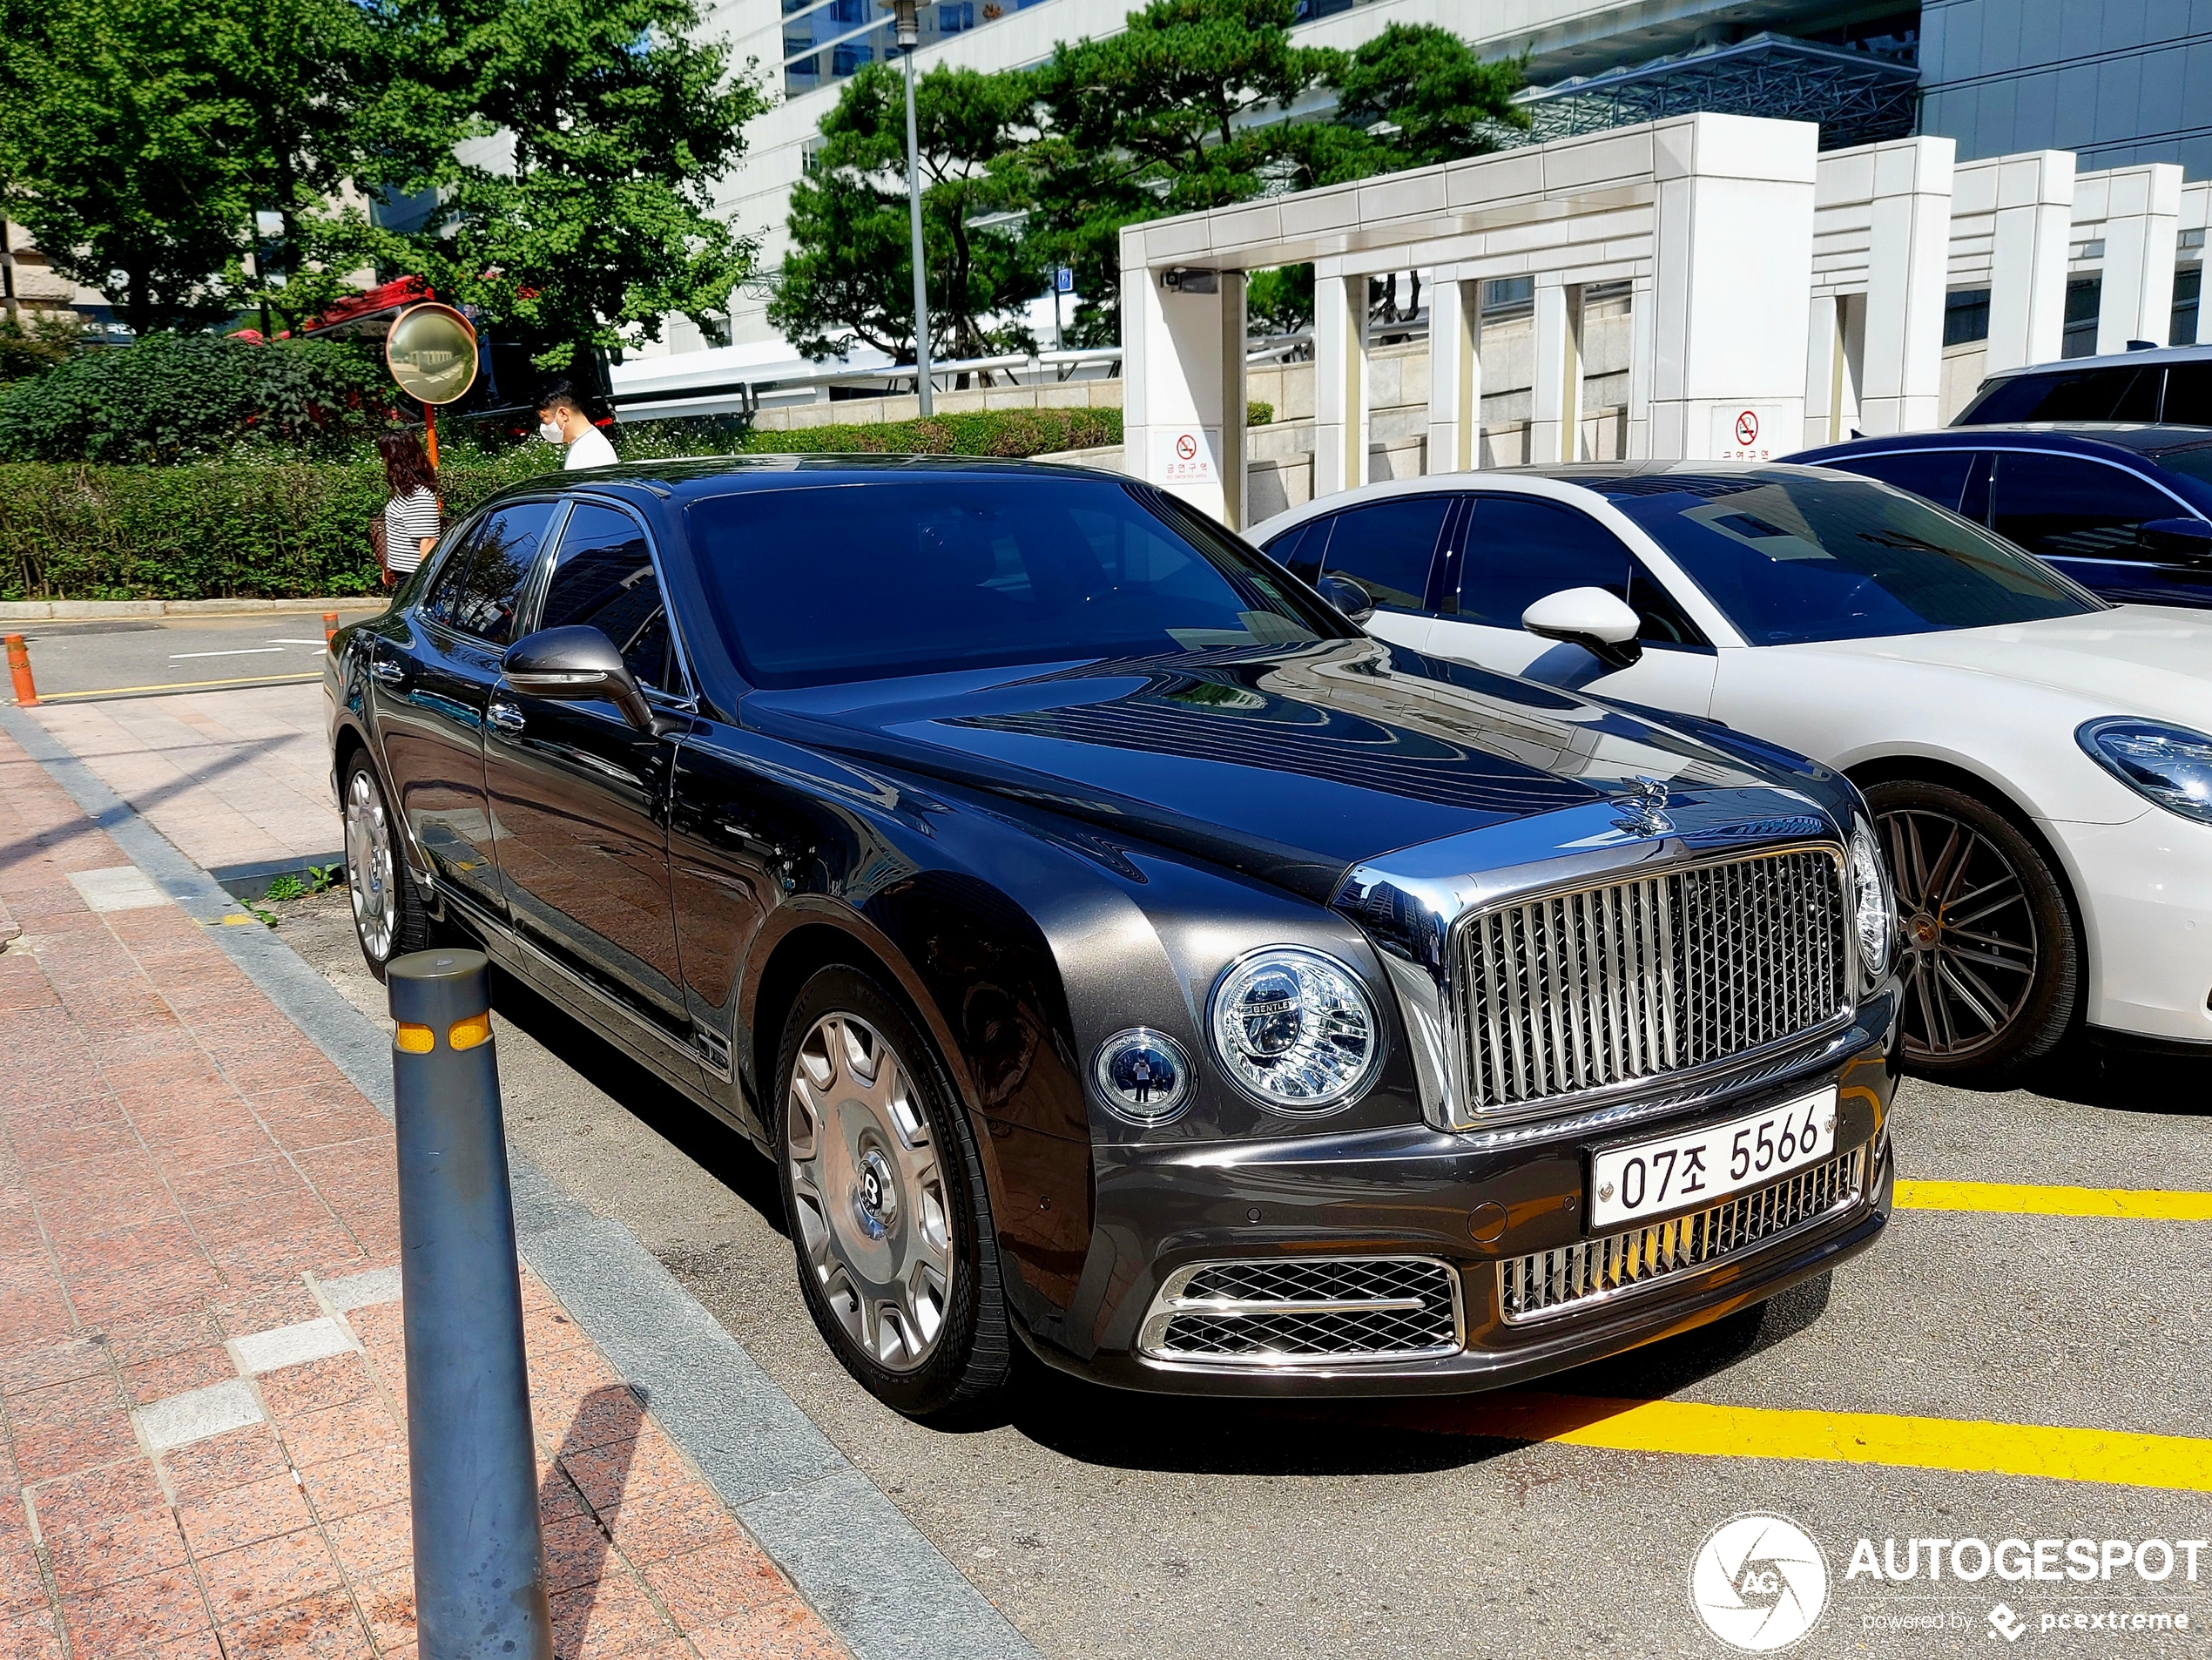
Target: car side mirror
{"points": [[2182, 539], [1590, 618], [1348, 597], [578, 665]]}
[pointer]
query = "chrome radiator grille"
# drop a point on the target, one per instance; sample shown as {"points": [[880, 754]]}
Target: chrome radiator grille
{"points": [[1288, 1312], [1548, 1282], [1626, 980]]}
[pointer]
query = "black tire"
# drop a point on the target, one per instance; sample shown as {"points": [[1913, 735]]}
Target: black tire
{"points": [[876, 1211], [1987, 946], [391, 918]]}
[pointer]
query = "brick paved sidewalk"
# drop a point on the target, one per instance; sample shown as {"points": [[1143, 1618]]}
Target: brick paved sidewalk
{"points": [[202, 1393]]}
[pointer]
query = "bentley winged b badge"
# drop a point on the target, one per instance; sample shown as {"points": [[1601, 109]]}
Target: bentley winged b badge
{"points": [[1643, 808]]}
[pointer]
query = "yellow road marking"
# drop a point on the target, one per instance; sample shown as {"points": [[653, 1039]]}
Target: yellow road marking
{"points": [[2021, 1198], [2117, 1457], [180, 685]]}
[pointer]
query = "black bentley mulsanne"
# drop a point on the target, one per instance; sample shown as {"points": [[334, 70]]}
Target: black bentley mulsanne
{"points": [[1117, 951]]}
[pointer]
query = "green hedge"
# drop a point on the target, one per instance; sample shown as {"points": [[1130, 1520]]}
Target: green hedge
{"points": [[263, 526]]}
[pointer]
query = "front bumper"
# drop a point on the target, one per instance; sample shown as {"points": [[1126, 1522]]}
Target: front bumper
{"points": [[1416, 1193], [2146, 893]]}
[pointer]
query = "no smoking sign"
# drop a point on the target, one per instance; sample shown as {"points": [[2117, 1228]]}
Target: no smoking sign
{"points": [[1183, 455], [1752, 432]]}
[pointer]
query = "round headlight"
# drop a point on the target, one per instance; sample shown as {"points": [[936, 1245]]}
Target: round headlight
{"points": [[1872, 911], [1294, 1029]]}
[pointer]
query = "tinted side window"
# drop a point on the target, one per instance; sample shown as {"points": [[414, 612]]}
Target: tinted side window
{"points": [[604, 578], [1387, 548], [2188, 394], [1518, 549], [2117, 394], [1938, 475], [2065, 507], [477, 591], [1298, 549]]}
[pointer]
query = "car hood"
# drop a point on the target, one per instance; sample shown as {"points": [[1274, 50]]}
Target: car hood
{"points": [[2154, 660], [1290, 763]]}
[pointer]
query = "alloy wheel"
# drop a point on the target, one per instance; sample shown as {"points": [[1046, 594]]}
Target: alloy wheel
{"points": [[1967, 934], [368, 867], [869, 1191]]}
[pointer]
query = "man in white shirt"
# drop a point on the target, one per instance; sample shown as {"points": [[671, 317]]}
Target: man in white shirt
{"points": [[562, 420]]}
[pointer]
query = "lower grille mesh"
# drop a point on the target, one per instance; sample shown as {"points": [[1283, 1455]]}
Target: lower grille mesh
{"points": [[1547, 1282], [1287, 1311]]}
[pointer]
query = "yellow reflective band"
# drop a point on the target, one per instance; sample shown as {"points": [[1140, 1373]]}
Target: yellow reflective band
{"points": [[2022, 1198], [2119, 1457], [466, 1033], [415, 1040]]}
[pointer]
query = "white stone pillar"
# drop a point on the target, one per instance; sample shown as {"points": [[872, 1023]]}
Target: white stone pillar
{"points": [[1340, 381], [1454, 375], [2027, 257], [1171, 384], [1908, 257], [2142, 234], [1643, 353], [1235, 475], [1732, 258], [1557, 395]]}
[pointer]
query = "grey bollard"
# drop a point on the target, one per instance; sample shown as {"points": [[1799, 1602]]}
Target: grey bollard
{"points": [[479, 1555]]}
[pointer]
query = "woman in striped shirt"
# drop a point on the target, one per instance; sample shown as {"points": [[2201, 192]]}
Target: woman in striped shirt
{"points": [[411, 514]]}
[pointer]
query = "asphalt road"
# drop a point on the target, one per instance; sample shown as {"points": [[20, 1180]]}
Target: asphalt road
{"points": [[132, 656], [1108, 1524]]}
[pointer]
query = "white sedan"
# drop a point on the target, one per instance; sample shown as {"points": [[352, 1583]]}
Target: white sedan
{"points": [[2036, 758]]}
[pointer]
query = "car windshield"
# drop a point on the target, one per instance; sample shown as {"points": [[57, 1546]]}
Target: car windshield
{"points": [[1792, 556], [864, 580]]}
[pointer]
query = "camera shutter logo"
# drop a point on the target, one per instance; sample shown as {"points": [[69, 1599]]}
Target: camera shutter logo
{"points": [[1758, 1582]]}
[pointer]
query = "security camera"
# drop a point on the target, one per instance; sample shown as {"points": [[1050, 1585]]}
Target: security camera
{"points": [[1185, 280]]}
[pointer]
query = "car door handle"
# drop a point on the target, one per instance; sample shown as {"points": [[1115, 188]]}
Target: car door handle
{"points": [[385, 669], [504, 715]]}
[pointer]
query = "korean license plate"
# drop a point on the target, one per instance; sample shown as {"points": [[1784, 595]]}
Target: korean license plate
{"points": [[1701, 1167]]}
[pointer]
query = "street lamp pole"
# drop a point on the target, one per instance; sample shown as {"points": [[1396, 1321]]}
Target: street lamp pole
{"points": [[909, 35]]}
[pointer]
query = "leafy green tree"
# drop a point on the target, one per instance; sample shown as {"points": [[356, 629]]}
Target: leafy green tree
{"points": [[121, 147], [31, 344], [849, 275], [1421, 95], [1170, 116], [598, 221], [1279, 300]]}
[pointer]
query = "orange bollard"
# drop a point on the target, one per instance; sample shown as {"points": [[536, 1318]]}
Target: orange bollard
{"points": [[330, 627], [19, 671]]}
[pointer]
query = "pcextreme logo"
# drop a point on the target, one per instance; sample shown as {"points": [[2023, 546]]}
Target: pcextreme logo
{"points": [[1758, 1582]]}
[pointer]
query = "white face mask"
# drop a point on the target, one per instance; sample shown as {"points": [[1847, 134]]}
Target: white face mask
{"points": [[552, 434]]}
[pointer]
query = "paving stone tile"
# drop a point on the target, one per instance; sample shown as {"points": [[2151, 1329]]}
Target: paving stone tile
{"points": [[577, 1552], [200, 1414], [21, 1588], [670, 1522], [178, 1374], [321, 1626], [622, 1470], [366, 1481], [784, 1630], [614, 1617], [80, 1501], [332, 1381], [266, 1310], [44, 1452], [135, 1341], [29, 1636], [43, 1147], [244, 1515], [371, 1543], [387, 1603], [705, 1586], [118, 1545], [254, 1578], [136, 1613], [338, 1432], [165, 1288], [230, 1460], [34, 1365]]}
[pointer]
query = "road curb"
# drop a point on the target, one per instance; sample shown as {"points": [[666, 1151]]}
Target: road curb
{"points": [[85, 611], [873, 1575]]}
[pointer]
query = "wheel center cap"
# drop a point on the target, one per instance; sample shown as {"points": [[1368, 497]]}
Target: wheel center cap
{"points": [[1925, 929], [875, 1196]]}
